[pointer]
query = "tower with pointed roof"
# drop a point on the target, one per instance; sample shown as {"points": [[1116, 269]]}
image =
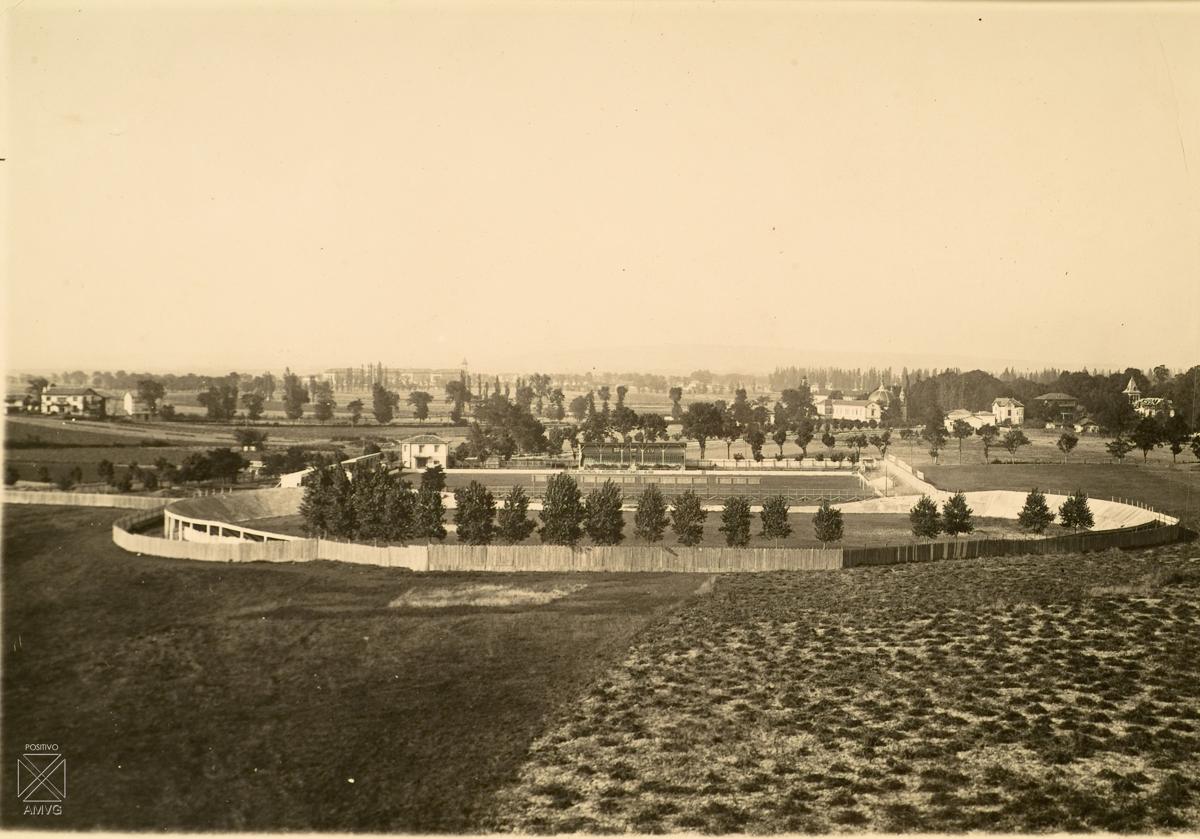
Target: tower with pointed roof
{"points": [[1132, 391]]}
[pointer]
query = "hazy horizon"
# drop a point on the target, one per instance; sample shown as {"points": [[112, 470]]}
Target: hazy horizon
{"points": [[602, 186]]}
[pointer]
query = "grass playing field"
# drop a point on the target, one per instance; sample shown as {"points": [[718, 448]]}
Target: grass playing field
{"points": [[188, 696]]}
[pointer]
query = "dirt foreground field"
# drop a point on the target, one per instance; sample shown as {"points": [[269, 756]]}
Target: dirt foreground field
{"points": [[1024, 694]]}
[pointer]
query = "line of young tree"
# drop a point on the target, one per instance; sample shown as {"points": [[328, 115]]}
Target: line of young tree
{"points": [[567, 516], [957, 518], [373, 504], [1151, 433]]}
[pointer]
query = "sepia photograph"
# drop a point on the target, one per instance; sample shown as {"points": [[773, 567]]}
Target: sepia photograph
{"points": [[572, 418]]}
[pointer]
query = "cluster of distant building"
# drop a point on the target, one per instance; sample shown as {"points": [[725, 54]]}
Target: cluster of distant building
{"points": [[830, 404], [1062, 410], [83, 402], [59, 401]]}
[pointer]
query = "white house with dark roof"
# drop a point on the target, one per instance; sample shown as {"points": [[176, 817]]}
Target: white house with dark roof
{"points": [[72, 401], [1006, 409], [424, 452], [134, 406]]}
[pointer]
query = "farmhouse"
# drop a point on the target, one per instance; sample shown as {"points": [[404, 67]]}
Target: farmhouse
{"points": [[15, 403], [134, 407], [424, 452], [1008, 410], [72, 401], [1087, 425], [632, 454], [1057, 407]]}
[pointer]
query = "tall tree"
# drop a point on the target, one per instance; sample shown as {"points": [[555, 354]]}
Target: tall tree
{"points": [[1176, 434], [701, 421], [653, 426], [514, 525], [779, 435], [676, 394], [295, 396], [150, 392], [579, 408], [219, 401], [383, 403], [342, 521], [458, 394], [827, 524], [1118, 447], [755, 438], [323, 401], [651, 519], [602, 517], [400, 507], [35, 386], [961, 430], [956, 516], [253, 403], [987, 436], [475, 509], [735, 521], [687, 518], [316, 504], [1066, 444], [775, 524], [924, 518], [804, 436], [428, 514], [1148, 435], [355, 407], [1035, 516], [562, 511], [557, 398], [1012, 440], [624, 420], [1075, 512], [420, 401]]}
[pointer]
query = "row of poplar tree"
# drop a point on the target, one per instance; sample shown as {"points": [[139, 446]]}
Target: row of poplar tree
{"points": [[376, 505]]}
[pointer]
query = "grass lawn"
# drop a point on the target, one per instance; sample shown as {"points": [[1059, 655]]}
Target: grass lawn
{"points": [[1042, 448], [60, 461], [860, 530], [1031, 694], [193, 696], [1175, 491]]}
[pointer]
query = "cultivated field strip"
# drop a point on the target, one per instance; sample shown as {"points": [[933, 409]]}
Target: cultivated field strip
{"points": [[1019, 694]]}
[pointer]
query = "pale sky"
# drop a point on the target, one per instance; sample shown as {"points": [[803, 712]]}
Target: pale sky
{"points": [[248, 185]]}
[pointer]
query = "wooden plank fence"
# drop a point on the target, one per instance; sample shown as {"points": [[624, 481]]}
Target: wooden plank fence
{"points": [[1142, 536], [83, 499], [632, 558], [629, 558]]}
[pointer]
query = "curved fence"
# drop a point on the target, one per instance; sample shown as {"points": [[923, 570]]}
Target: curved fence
{"points": [[439, 557]]}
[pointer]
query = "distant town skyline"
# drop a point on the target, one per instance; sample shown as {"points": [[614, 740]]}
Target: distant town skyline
{"points": [[603, 185]]}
